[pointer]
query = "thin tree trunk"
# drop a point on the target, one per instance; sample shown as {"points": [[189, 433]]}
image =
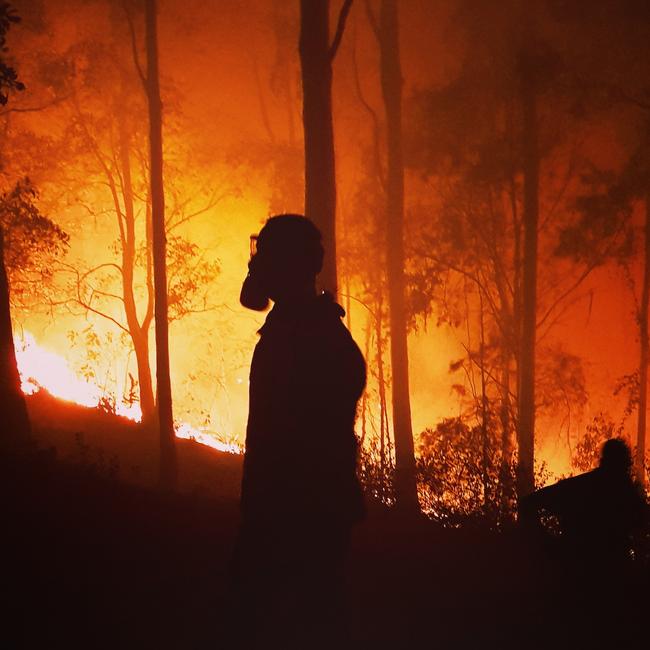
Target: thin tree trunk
{"points": [[364, 397], [145, 383], [505, 482], [168, 460], [526, 393], [391, 84], [15, 420], [485, 425], [348, 303], [139, 333], [639, 463], [381, 388], [320, 179], [511, 351]]}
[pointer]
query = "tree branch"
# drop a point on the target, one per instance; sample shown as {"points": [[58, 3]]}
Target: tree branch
{"points": [[105, 294], [568, 291], [34, 109], [134, 48], [372, 19], [376, 128], [91, 309], [99, 267], [340, 28], [216, 199]]}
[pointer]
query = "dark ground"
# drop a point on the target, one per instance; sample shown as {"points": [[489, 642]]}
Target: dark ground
{"points": [[93, 559]]}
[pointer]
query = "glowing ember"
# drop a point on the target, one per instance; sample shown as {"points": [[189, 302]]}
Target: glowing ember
{"points": [[40, 368], [184, 430]]}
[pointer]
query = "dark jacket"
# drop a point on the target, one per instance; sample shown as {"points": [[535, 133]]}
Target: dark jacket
{"points": [[597, 511], [307, 375]]}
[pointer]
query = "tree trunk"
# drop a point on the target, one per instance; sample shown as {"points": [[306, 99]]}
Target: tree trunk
{"points": [[526, 393], [364, 397], [639, 461], [320, 179], [147, 402], [139, 333], [391, 85], [384, 430], [168, 461], [485, 424], [15, 425], [505, 479]]}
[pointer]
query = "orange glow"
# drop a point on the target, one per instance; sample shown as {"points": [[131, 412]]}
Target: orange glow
{"points": [[234, 155], [42, 369]]}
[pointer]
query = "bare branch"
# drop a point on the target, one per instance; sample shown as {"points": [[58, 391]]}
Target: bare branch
{"points": [[214, 200], [340, 28], [562, 191], [134, 47], [81, 301], [106, 169], [556, 319], [83, 276], [105, 294], [372, 19], [34, 109], [376, 127], [91, 309], [568, 291]]}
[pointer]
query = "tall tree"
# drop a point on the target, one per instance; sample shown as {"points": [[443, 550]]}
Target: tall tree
{"points": [[608, 213], [316, 56], [12, 401], [168, 459], [391, 86], [644, 345], [117, 160], [503, 144], [616, 80], [530, 157]]}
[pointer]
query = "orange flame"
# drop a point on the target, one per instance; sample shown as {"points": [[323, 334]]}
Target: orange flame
{"points": [[40, 368]]}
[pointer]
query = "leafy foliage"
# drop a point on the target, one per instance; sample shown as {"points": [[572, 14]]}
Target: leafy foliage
{"points": [[32, 242], [463, 475], [190, 278], [587, 452], [376, 472], [8, 75]]}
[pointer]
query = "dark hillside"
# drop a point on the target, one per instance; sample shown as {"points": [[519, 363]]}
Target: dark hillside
{"points": [[92, 560], [122, 448]]}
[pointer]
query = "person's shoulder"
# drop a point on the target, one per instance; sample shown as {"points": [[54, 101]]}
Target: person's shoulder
{"points": [[566, 485], [580, 482], [584, 478], [327, 317]]}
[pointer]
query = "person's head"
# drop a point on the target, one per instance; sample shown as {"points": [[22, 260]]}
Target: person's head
{"points": [[287, 257], [615, 457]]}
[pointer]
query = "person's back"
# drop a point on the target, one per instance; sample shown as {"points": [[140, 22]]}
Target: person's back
{"points": [[306, 377], [585, 586], [597, 511]]}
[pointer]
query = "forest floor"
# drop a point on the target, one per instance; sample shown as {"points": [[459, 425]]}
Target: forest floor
{"points": [[96, 557]]}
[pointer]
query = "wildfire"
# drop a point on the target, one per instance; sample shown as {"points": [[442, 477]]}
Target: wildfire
{"points": [[42, 369]]}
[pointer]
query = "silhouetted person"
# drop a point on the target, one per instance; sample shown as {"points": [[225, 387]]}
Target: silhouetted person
{"points": [[590, 582], [597, 511], [300, 494]]}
